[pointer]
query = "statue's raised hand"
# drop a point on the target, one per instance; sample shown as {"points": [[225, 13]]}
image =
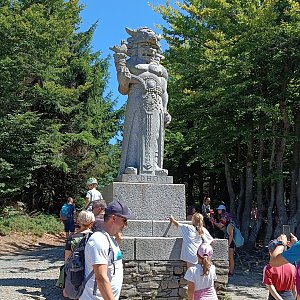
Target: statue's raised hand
{"points": [[120, 49]]}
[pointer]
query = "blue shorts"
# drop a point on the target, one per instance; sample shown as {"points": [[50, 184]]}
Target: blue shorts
{"points": [[69, 225], [286, 295]]}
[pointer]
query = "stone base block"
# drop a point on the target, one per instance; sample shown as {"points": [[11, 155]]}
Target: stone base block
{"points": [[161, 280], [164, 248], [147, 228], [148, 201], [158, 248]]}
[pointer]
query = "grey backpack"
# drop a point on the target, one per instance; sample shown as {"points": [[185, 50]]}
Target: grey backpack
{"points": [[75, 280], [74, 270]]}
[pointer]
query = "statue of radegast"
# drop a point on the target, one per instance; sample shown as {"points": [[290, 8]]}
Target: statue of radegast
{"points": [[144, 80]]}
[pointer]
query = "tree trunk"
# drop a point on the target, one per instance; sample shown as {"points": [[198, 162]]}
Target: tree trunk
{"points": [[260, 206], [200, 183], [248, 192], [280, 201], [190, 187], [229, 185], [295, 177], [270, 216], [241, 199], [212, 185]]}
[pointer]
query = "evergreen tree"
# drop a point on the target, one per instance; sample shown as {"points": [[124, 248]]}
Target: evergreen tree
{"points": [[234, 97], [56, 123]]}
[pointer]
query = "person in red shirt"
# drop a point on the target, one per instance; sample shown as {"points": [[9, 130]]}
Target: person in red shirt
{"points": [[281, 280]]}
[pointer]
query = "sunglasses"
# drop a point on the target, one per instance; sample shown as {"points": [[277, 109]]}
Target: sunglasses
{"points": [[124, 220]]}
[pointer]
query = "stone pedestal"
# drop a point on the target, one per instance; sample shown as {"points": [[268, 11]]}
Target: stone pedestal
{"points": [[152, 266], [151, 246], [149, 201]]}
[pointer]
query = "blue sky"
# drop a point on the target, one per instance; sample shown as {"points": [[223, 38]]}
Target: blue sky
{"points": [[113, 16]]}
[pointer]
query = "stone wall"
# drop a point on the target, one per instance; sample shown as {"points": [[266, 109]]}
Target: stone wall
{"points": [[163, 279]]}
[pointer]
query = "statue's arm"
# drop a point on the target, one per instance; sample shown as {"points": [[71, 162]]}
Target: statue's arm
{"points": [[125, 77], [123, 73], [165, 99]]}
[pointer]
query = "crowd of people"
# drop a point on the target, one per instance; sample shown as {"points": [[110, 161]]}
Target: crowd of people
{"points": [[281, 276], [103, 225], [103, 257]]}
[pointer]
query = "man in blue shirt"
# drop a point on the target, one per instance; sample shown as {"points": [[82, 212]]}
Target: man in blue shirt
{"points": [[292, 255]]}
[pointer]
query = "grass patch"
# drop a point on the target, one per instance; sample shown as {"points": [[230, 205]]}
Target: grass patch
{"points": [[16, 221]]}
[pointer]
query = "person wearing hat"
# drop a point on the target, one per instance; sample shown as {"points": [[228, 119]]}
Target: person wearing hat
{"points": [[92, 194], [281, 280], [104, 257], [227, 227], [98, 210], [201, 277]]}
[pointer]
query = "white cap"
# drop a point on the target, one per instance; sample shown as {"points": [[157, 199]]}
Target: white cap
{"points": [[221, 206], [91, 180]]}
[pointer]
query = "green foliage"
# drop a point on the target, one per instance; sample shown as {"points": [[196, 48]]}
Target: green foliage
{"points": [[15, 221], [234, 67], [56, 123]]}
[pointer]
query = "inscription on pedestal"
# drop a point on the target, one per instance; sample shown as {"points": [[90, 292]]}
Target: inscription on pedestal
{"points": [[145, 178]]}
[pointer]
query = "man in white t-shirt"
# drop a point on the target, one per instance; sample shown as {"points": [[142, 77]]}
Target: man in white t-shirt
{"points": [[104, 257], [92, 194]]}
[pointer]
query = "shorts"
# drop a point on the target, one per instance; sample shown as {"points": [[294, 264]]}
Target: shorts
{"points": [[231, 245], [69, 225], [286, 295]]}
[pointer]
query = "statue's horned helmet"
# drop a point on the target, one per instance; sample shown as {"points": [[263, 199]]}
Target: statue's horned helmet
{"points": [[143, 35]]}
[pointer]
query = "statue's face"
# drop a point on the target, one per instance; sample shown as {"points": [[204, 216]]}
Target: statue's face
{"points": [[146, 52]]}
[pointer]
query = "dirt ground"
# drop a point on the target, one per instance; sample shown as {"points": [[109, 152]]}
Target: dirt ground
{"points": [[17, 242]]}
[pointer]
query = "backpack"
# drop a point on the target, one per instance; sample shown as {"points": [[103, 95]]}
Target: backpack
{"points": [[237, 236], [74, 270], [65, 212], [298, 279]]}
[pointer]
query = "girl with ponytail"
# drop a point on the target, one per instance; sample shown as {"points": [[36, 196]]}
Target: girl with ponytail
{"points": [[201, 277], [193, 235]]}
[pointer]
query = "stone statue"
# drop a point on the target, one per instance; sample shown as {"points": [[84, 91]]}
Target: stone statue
{"points": [[144, 80]]}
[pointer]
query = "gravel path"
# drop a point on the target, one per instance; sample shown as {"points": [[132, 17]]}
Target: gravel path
{"points": [[245, 285], [32, 275]]}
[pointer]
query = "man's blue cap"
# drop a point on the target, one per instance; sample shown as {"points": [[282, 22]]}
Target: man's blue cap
{"points": [[118, 208]]}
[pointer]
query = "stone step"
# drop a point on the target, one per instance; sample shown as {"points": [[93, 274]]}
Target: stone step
{"points": [[148, 228], [163, 248]]}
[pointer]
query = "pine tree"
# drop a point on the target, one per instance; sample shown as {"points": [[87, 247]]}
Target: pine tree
{"points": [[56, 123]]}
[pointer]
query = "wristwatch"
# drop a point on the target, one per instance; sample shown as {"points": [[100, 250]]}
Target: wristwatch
{"points": [[280, 243]]}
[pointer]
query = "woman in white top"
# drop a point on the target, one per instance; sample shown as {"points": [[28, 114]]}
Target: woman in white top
{"points": [[201, 277], [193, 236]]}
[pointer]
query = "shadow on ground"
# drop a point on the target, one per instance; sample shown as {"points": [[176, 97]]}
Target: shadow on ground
{"points": [[38, 267]]}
